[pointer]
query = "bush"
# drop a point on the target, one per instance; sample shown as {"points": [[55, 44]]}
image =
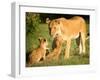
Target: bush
{"points": [[32, 22], [32, 30]]}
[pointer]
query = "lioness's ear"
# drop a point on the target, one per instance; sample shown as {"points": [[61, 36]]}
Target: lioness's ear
{"points": [[57, 21], [48, 20]]}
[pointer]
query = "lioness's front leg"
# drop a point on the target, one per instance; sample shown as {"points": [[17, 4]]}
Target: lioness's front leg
{"points": [[67, 50]]}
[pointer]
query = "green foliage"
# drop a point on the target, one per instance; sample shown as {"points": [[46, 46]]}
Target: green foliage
{"points": [[32, 38], [32, 22], [32, 30]]}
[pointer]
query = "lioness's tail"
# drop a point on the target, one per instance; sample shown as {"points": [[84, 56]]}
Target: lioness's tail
{"points": [[88, 36]]}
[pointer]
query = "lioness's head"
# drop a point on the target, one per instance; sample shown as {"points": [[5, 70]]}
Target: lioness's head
{"points": [[54, 27]]}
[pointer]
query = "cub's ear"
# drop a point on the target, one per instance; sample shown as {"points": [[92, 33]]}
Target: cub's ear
{"points": [[48, 20]]}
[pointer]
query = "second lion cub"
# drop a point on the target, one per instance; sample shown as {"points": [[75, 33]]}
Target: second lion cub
{"points": [[38, 53], [57, 44]]}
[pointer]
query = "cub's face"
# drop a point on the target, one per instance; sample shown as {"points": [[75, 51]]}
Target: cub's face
{"points": [[54, 28], [43, 43]]}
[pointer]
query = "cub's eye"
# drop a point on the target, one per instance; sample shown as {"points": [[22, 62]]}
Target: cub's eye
{"points": [[44, 40]]}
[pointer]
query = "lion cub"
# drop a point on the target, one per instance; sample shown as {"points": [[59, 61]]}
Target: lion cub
{"points": [[57, 43], [38, 53]]}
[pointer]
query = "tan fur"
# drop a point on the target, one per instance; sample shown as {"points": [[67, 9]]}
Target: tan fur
{"points": [[69, 29], [38, 53], [54, 55]]}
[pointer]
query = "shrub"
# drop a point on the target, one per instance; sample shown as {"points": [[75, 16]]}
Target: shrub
{"points": [[32, 22]]}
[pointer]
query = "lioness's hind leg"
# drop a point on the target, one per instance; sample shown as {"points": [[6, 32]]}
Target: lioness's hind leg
{"points": [[80, 47], [83, 42], [79, 43]]}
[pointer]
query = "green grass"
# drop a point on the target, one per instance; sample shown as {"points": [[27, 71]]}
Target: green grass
{"points": [[75, 59]]}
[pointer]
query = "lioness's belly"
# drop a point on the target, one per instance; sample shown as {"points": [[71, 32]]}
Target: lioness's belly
{"points": [[74, 36]]}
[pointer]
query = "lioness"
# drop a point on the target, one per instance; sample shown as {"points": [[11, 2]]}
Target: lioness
{"points": [[69, 29], [38, 53]]}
